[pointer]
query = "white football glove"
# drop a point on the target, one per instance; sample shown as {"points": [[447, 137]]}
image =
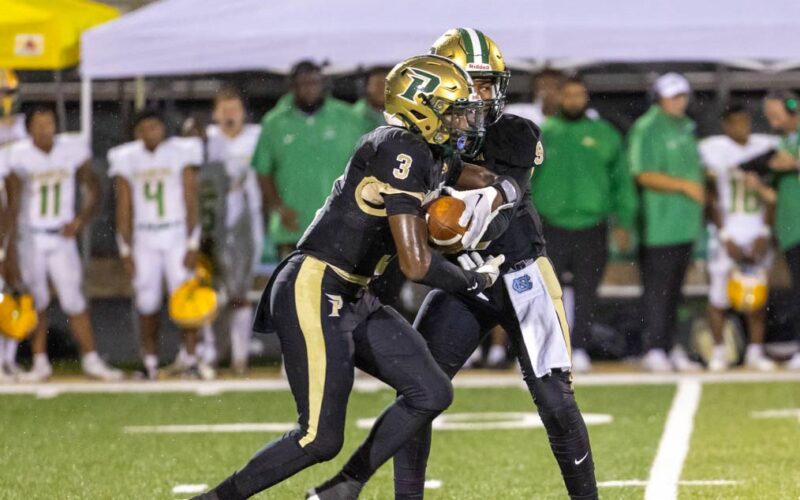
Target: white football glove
{"points": [[478, 213], [490, 267]]}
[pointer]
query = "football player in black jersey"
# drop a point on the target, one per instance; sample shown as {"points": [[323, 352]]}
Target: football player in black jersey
{"points": [[317, 300], [454, 323]]}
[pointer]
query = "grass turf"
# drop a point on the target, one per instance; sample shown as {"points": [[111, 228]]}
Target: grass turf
{"points": [[73, 447]]}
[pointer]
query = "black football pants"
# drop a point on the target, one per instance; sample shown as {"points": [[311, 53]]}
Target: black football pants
{"points": [[663, 269]]}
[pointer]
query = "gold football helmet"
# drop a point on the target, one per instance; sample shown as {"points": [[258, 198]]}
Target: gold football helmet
{"points": [[747, 289], [18, 317], [9, 84], [432, 96], [478, 55], [194, 303]]}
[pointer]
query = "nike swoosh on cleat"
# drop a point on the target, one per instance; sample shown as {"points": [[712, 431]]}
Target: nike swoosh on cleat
{"points": [[578, 462]]}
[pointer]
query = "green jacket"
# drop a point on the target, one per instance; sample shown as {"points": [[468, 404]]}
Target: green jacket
{"points": [[304, 154], [662, 143], [787, 213], [370, 119], [584, 178]]}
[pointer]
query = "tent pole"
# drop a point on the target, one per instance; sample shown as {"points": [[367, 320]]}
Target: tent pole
{"points": [[139, 94], [61, 108], [86, 108]]}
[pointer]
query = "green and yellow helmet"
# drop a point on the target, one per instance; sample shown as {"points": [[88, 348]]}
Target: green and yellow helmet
{"points": [[478, 55], [9, 84], [432, 96]]}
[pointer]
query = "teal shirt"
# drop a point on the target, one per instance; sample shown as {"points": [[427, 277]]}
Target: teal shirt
{"points": [[370, 119], [304, 154], [787, 213], [584, 178], [662, 143]]}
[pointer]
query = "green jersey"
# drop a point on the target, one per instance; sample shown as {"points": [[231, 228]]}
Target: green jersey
{"points": [[304, 154], [662, 143], [584, 178], [370, 119], [787, 214]]}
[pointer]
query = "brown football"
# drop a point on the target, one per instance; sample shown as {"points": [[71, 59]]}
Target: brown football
{"points": [[443, 228]]}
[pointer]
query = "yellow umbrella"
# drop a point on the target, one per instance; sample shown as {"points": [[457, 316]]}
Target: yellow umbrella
{"points": [[45, 34]]}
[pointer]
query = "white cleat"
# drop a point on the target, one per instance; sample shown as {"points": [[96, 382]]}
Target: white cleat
{"points": [[682, 363], [718, 361], [39, 373], [206, 371], [10, 368], [759, 362], [99, 370], [794, 362], [581, 362], [655, 361]]}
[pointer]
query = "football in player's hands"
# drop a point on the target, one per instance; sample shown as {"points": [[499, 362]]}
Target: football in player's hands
{"points": [[444, 230]]}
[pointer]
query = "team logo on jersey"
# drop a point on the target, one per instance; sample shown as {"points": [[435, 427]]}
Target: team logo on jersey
{"points": [[336, 304], [522, 283], [539, 159], [589, 141], [421, 82]]}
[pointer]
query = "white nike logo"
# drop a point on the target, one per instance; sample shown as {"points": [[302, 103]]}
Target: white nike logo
{"points": [[578, 462]]}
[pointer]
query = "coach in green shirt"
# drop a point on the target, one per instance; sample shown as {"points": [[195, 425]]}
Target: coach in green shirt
{"points": [[663, 157], [783, 114], [583, 183], [305, 143]]}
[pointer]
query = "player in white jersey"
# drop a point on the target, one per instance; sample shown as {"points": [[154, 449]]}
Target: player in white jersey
{"points": [[12, 128], [741, 207], [232, 143], [46, 171], [158, 231]]}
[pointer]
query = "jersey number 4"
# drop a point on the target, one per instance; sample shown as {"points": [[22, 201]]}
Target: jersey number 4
{"points": [[401, 171], [154, 191]]}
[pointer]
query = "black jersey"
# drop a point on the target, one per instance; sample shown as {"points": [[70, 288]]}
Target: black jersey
{"points": [[392, 171], [512, 147]]}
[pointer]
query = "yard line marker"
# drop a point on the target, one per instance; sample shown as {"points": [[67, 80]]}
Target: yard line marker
{"points": [[210, 428], [368, 384], [189, 488], [433, 484], [666, 469], [781, 413]]}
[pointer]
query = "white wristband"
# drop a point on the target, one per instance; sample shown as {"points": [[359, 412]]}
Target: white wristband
{"points": [[123, 247], [193, 243]]}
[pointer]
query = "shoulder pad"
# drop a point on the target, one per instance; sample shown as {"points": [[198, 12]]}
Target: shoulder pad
{"points": [[514, 140]]}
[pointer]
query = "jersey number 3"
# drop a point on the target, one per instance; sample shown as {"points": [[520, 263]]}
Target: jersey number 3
{"points": [[401, 171]]}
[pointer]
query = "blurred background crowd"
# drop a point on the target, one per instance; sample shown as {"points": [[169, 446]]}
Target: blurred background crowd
{"points": [[670, 197]]}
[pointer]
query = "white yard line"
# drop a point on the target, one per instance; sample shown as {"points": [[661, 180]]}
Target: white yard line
{"points": [[666, 469], [366, 383], [189, 488]]}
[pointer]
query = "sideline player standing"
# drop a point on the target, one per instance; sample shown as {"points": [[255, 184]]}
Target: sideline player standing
{"points": [[317, 300], [12, 128], [158, 231], [232, 142], [41, 193], [740, 212], [454, 323]]}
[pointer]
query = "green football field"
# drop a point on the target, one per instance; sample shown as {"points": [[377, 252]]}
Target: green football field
{"points": [[743, 440]]}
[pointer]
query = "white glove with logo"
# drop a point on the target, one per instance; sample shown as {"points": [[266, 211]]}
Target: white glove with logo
{"points": [[490, 267], [478, 213]]}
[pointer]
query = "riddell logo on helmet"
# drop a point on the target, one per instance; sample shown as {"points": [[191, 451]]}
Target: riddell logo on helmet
{"points": [[478, 67]]}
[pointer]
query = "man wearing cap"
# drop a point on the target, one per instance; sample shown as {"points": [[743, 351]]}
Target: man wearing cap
{"points": [[782, 110], [664, 160]]}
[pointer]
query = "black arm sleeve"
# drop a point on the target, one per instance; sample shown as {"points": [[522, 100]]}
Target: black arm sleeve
{"points": [[451, 278]]}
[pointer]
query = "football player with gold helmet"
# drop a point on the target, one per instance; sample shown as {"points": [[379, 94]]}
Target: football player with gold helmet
{"points": [[318, 302], [454, 324]]}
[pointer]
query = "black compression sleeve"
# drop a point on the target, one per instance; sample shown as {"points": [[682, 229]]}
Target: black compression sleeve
{"points": [[451, 278]]}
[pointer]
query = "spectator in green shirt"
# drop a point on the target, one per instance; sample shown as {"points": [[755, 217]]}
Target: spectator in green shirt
{"points": [[369, 109], [663, 157], [583, 183], [304, 146], [783, 115]]}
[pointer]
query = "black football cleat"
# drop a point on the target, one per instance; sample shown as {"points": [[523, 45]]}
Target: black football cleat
{"points": [[339, 487]]}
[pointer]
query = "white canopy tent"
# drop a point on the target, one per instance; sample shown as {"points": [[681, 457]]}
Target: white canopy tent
{"points": [[179, 37]]}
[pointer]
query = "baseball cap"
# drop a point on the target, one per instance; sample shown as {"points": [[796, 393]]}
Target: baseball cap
{"points": [[671, 84]]}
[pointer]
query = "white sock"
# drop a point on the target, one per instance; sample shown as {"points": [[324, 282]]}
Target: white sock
{"points": [[90, 358], [241, 331], [207, 349], [10, 352], [720, 351], [40, 360], [150, 362], [756, 350]]}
